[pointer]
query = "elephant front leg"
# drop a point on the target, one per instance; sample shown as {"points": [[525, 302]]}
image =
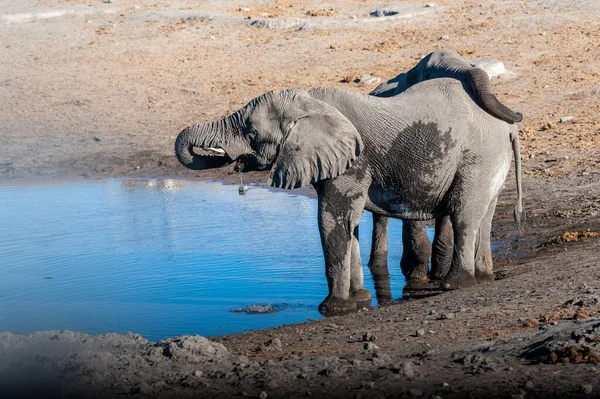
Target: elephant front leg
{"points": [[441, 254], [338, 218], [358, 293]]}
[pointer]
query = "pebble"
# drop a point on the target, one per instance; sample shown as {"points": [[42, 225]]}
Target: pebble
{"points": [[415, 392], [369, 336], [587, 389], [430, 5], [445, 37], [368, 80], [198, 373], [244, 9], [446, 316], [561, 158], [109, 1], [370, 346], [529, 384], [263, 395], [408, 370], [420, 332], [382, 12], [566, 119], [445, 384], [368, 385]]}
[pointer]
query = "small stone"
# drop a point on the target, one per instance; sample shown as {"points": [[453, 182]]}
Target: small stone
{"points": [[587, 389], [445, 384], [429, 5], [446, 316], [561, 158], [263, 395], [408, 370], [109, 1], [545, 86], [369, 336], [436, 397], [244, 9], [138, 167], [565, 119], [369, 346], [420, 332], [198, 373], [432, 311], [332, 46], [415, 392], [529, 384], [383, 13], [368, 385], [445, 37], [368, 80]]}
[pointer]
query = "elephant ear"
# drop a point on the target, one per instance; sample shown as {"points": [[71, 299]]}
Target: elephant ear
{"points": [[321, 144]]}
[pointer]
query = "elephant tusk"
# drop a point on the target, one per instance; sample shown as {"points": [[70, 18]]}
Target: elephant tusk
{"points": [[216, 151]]}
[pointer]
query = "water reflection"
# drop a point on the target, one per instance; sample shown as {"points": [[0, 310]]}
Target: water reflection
{"points": [[163, 257]]}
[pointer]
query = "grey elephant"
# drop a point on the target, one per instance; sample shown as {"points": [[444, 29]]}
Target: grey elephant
{"points": [[417, 248], [444, 157]]}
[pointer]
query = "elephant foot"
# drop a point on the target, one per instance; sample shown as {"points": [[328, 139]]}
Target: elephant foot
{"points": [[460, 279], [417, 284], [362, 297], [334, 306], [484, 278]]}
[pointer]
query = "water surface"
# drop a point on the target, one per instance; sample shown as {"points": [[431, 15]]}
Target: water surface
{"points": [[162, 257]]}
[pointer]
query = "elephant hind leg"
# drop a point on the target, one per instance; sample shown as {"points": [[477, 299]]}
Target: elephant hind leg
{"points": [[441, 254], [378, 261], [417, 250], [484, 269]]}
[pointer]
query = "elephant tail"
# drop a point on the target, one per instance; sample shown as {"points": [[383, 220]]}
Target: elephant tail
{"points": [[519, 213]]}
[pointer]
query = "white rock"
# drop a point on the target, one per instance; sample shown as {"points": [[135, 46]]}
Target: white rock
{"points": [[565, 119], [491, 66]]}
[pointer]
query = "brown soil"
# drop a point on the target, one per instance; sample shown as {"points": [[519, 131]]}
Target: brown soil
{"points": [[101, 89]]}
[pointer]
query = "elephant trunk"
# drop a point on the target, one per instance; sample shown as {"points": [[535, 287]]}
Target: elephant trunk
{"points": [[220, 140], [480, 82]]}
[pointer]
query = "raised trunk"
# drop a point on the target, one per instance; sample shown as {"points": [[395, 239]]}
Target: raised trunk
{"points": [[479, 81], [224, 134]]}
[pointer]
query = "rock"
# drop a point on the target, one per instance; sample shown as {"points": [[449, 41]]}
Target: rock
{"points": [[420, 332], [565, 119], [368, 385], [368, 336], [263, 395], [491, 66], [428, 5], [529, 384], [415, 392], [408, 370], [244, 9], [369, 346], [198, 373], [587, 389], [193, 349], [272, 23], [446, 316], [445, 37], [272, 345], [383, 12], [368, 80]]}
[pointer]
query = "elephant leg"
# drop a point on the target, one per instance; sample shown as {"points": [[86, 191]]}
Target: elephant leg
{"points": [[484, 269], [417, 250], [441, 256], [378, 262], [338, 218], [358, 293], [465, 226]]}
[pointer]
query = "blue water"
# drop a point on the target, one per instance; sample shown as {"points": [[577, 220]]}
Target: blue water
{"points": [[162, 257]]}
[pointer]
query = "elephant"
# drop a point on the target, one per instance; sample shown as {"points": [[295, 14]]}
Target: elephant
{"points": [[417, 248], [444, 157]]}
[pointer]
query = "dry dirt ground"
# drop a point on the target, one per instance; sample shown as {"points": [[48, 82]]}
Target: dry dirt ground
{"points": [[101, 89]]}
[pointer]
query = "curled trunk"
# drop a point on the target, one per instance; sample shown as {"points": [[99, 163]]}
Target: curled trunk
{"points": [[219, 142], [479, 81]]}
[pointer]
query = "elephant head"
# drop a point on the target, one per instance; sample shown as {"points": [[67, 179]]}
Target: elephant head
{"points": [[301, 139], [448, 64]]}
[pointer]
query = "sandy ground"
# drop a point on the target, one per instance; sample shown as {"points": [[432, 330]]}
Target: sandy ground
{"points": [[101, 89]]}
